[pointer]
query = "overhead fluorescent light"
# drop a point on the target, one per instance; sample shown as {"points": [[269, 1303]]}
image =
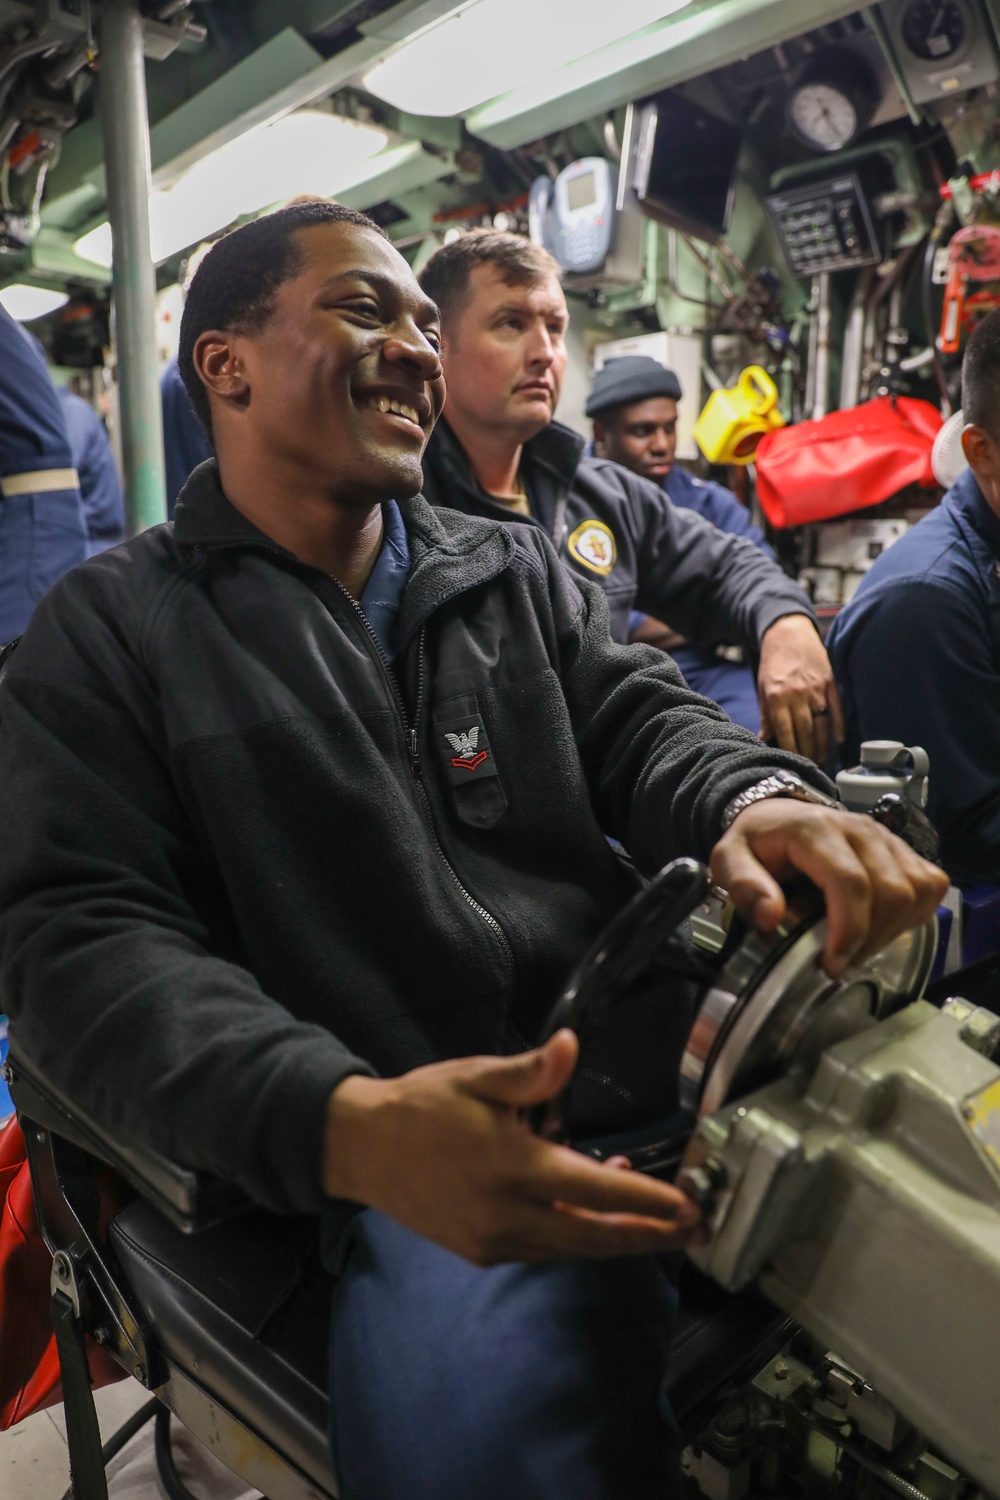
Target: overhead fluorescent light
{"points": [[307, 152], [25, 302], [490, 46]]}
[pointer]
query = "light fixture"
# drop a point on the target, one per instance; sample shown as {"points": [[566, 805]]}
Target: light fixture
{"points": [[480, 51], [25, 302], [307, 152]]}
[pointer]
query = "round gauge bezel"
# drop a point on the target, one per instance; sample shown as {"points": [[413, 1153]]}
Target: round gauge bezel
{"points": [[849, 74], [803, 135], [947, 59]]}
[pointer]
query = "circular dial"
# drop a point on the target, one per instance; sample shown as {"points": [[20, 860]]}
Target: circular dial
{"points": [[823, 115], [934, 29]]}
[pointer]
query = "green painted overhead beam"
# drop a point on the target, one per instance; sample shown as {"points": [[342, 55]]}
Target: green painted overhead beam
{"points": [[51, 254], [249, 93], [396, 169], [286, 73], [265, 18], [253, 92], [697, 40]]}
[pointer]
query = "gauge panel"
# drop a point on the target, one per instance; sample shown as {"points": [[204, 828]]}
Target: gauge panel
{"points": [[824, 226]]}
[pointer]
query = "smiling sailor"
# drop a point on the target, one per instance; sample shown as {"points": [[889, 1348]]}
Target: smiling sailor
{"points": [[42, 528], [499, 453]]}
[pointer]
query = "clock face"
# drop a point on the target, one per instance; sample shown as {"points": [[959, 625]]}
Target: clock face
{"points": [[823, 115], [934, 29]]}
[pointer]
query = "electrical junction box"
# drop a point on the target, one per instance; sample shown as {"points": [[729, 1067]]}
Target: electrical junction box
{"points": [[943, 47], [680, 352], [854, 545]]}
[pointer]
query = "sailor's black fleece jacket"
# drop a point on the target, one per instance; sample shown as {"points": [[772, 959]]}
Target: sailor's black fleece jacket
{"points": [[660, 558], [241, 858]]}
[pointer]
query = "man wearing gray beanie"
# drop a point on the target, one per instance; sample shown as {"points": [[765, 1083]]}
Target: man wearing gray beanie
{"points": [[633, 403]]}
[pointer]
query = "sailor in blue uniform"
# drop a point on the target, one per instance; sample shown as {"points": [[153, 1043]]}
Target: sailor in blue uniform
{"points": [[633, 404], [185, 445], [100, 486], [917, 650], [42, 528]]}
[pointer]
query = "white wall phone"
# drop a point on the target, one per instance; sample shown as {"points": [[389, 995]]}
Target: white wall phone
{"points": [[573, 216]]}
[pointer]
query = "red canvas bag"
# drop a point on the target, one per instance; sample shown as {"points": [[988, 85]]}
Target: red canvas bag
{"points": [[846, 461], [29, 1363]]}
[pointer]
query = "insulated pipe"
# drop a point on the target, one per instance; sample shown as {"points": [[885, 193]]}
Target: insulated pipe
{"points": [[850, 374], [821, 374], [125, 133]]}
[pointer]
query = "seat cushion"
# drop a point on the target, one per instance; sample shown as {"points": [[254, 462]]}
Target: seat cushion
{"points": [[244, 1309]]}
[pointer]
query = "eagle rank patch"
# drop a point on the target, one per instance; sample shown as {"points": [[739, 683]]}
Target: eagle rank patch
{"points": [[468, 756], [466, 747], [593, 544]]}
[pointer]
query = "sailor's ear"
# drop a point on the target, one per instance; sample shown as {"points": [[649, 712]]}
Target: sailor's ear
{"points": [[983, 452], [219, 364]]}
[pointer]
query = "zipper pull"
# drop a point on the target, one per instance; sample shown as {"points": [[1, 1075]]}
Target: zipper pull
{"points": [[414, 753]]}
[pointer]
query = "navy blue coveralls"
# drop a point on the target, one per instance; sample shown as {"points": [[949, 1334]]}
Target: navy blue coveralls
{"points": [[730, 684], [100, 487], [42, 529], [917, 656], [185, 445]]}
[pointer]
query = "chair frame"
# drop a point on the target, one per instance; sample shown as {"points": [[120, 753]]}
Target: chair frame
{"points": [[89, 1296]]}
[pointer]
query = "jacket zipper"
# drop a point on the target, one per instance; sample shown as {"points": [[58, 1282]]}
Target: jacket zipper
{"points": [[413, 747]]}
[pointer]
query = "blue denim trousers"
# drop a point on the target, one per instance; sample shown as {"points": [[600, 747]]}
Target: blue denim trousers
{"points": [[518, 1382]]}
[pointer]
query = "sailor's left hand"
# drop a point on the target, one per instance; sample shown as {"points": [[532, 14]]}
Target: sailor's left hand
{"points": [[799, 703], [875, 885]]}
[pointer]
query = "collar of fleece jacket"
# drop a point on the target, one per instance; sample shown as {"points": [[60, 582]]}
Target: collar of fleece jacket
{"points": [[450, 552]]}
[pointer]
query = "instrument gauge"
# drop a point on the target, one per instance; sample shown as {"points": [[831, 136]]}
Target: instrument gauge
{"points": [[823, 116], [934, 30], [833, 101]]}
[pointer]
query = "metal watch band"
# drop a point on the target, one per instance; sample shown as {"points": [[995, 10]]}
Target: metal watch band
{"points": [[778, 784]]}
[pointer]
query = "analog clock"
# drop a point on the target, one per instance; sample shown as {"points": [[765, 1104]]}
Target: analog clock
{"points": [[832, 102]]}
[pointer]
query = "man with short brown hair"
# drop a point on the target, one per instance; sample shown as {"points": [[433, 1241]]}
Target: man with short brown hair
{"points": [[498, 453]]}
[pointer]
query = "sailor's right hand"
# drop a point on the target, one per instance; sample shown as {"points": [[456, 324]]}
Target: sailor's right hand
{"points": [[446, 1150]]}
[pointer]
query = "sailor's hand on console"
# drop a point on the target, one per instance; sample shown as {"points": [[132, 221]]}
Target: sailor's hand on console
{"points": [[799, 704], [447, 1151], [875, 885]]}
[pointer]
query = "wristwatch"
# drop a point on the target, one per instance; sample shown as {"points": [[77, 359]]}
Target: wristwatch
{"points": [[778, 784]]}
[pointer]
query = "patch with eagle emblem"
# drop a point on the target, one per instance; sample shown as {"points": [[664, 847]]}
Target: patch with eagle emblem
{"points": [[466, 748], [467, 757], [593, 544]]}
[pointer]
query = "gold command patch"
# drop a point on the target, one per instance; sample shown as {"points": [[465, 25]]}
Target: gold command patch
{"points": [[593, 544]]}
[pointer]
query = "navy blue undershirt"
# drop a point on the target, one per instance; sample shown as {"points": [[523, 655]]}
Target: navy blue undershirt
{"points": [[383, 595]]}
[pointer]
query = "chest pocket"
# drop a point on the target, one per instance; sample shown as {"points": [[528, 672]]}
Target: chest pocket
{"points": [[462, 745]]}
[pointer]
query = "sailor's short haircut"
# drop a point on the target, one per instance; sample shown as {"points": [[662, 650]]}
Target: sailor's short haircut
{"points": [[235, 286], [981, 375], [520, 262]]}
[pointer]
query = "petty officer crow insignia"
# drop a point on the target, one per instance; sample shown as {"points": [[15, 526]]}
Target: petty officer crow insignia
{"points": [[468, 756], [464, 743], [593, 544], [468, 761]]}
